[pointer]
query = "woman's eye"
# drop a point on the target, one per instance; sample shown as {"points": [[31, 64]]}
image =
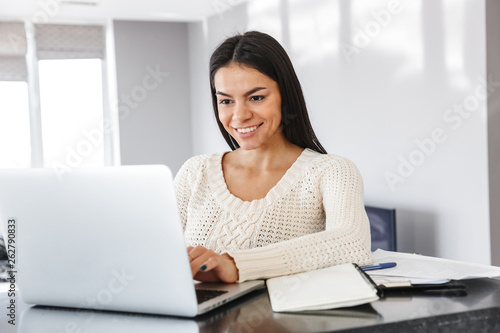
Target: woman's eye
{"points": [[257, 98], [224, 101]]}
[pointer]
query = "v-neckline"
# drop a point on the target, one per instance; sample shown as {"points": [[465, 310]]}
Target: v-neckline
{"points": [[227, 199]]}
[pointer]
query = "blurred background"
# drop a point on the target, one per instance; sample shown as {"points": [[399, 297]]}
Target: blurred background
{"points": [[406, 89]]}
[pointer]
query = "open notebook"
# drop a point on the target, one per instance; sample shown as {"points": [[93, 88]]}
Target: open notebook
{"points": [[328, 288]]}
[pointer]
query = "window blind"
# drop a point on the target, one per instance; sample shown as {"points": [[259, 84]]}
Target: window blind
{"points": [[12, 52], [54, 41]]}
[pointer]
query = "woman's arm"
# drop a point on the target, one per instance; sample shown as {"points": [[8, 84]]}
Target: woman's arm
{"points": [[346, 237], [183, 181]]}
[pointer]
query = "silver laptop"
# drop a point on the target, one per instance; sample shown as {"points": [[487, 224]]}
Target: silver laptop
{"points": [[103, 238]]}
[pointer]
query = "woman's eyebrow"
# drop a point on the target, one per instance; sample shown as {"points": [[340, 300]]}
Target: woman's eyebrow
{"points": [[248, 93]]}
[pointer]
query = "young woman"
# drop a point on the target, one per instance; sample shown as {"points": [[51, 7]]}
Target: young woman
{"points": [[277, 203]]}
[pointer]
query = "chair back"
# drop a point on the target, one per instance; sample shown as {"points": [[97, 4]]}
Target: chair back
{"points": [[382, 227]]}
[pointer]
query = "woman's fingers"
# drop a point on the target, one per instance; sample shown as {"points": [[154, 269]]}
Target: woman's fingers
{"points": [[219, 267], [206, 265], [189, 248], [211, 263], [194, 253], [198, 256]]}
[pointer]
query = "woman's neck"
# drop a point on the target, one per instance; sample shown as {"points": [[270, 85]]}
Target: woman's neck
{"points": [[279, 155]]}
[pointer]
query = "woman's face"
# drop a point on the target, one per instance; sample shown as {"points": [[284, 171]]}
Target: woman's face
{"points": [[249, 105]]}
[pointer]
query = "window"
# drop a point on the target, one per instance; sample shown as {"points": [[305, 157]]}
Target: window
{"points": [[71, 112], [52, 107], [15, 150]]}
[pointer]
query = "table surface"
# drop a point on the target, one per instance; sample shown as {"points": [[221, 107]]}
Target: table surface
{"points": [[479, 311]]}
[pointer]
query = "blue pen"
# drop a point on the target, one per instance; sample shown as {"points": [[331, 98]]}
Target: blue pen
{"points": [[379, 266]]}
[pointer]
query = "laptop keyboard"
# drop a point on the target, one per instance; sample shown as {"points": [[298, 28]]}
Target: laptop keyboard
{"points": [[204, 295]]}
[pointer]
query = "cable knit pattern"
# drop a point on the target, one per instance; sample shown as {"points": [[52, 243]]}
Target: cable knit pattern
{"points": [[314, 217]]}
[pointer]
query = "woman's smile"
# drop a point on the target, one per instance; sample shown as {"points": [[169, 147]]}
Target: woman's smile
{"points": [[247, 130]]}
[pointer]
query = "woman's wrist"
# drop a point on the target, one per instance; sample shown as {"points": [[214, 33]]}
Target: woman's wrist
{"points": [[229, 258]]}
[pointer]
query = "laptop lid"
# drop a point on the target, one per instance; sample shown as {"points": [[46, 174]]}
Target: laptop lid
{"points": [[100, 238]]}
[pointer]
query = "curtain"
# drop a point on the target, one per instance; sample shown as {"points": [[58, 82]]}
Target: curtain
{"points": [[12, 52], [69, 41]]}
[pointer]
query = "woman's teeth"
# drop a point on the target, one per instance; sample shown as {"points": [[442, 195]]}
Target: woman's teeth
{"points": [[247, 130]]}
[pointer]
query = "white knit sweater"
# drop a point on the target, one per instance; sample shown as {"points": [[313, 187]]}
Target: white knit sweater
{"points": [[313, 218]]}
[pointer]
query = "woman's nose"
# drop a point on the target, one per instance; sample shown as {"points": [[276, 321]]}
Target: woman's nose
{"points": [[241, 112]]}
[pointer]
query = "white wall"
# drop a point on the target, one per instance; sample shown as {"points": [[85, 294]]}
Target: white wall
{"points": [[153, 92], [372, 98], [203, 39]]}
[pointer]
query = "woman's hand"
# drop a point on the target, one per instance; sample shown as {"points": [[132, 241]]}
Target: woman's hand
{"points": [[208, 266]]}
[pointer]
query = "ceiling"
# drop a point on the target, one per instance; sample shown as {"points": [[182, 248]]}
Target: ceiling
{"points": [[41, 11]]}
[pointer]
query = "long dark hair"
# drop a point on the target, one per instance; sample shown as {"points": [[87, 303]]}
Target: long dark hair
{"points": [[263, 53]]}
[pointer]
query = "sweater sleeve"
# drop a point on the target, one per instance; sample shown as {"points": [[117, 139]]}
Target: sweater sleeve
{"points": [[346, 237], [182, 182]]}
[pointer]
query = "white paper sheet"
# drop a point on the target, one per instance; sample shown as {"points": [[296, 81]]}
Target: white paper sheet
{"points": [[431, 268]]}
